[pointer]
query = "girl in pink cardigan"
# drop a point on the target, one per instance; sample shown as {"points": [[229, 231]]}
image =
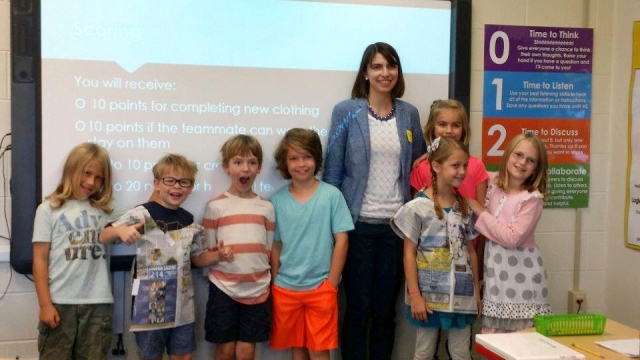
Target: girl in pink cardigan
{"points": [[515, 280]]}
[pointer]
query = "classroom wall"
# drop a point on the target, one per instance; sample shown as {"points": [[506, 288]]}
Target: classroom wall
{"points": [[605, 269], [622, 289], [558, 229]]}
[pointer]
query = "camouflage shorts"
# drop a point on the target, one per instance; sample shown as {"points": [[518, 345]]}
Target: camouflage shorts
{"points": [[84, 333]]}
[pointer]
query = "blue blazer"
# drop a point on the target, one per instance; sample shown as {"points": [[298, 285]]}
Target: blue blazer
{"points": [[349, 149]]}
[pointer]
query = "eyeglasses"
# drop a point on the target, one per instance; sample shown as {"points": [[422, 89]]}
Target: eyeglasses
{"points": [[169, 181], [529, 160]]}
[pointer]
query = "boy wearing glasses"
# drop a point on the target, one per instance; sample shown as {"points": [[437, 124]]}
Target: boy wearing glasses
{"points": [[167, 242], [242, 223]]}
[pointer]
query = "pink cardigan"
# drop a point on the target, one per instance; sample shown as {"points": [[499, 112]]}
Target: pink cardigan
{"points": [[516, 220]]}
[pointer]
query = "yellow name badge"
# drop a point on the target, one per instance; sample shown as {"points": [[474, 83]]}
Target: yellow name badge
{"points": [[409, 136]]}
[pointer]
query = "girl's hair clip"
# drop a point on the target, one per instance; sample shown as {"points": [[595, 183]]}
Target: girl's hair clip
{"points": [[433, 146]]}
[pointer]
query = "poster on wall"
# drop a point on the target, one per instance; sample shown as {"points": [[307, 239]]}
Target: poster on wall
{"points": [[632, 208], [538, 79]]}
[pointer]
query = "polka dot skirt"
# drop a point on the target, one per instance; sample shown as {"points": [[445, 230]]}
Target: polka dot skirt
{"points": [[515, 284]]}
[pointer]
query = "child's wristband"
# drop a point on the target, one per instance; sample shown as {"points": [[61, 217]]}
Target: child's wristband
{"points": [[414, 292]]}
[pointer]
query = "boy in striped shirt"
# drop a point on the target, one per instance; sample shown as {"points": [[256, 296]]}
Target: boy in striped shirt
{"points": [[239, 225]]}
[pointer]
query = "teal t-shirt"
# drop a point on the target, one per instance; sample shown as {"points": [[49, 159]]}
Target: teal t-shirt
{"points": [[306, 232]]}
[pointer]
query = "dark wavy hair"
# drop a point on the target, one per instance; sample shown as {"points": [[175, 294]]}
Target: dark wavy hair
{"points": [[361, 85]]}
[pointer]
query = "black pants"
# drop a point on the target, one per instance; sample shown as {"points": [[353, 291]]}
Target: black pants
{"points": [[372, 278]]}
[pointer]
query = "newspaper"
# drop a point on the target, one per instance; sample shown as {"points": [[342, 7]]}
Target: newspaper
{"points": [[445, 286]]}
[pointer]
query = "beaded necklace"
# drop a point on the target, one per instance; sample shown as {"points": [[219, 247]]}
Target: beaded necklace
{"points": [[391, 114]]}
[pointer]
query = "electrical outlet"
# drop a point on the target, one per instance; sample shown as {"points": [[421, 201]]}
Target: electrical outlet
{"points": [[577, 300]]}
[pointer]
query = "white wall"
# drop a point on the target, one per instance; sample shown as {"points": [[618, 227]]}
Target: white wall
{"points": [[606, 270], [19, 306], [622, 289]]}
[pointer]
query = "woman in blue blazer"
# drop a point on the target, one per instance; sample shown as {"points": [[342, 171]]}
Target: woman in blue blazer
{"points": [[374, 139]]}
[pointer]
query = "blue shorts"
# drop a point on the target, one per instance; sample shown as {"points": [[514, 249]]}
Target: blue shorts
{"points": [[180, 340], [229, 321]]}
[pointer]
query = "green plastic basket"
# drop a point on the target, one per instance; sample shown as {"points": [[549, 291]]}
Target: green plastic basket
{"points": [[570, 324]]}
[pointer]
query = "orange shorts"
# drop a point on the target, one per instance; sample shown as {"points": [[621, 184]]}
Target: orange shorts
{"points": [[305, 318]]}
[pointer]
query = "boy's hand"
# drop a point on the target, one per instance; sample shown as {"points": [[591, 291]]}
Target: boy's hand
{"points": [[225, 253], [129, 234], [419, 308], [49, 316]]}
